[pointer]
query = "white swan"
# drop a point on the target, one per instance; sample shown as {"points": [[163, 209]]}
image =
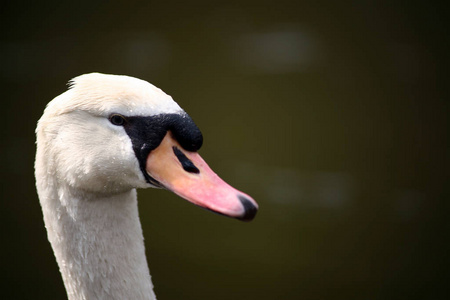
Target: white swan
{"points": [[96, 143]]}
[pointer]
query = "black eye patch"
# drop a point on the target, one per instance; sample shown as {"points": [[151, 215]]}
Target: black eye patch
{"points": [[146, 134]]}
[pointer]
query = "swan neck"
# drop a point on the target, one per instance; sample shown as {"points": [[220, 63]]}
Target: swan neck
{"points": [[98, 244]]}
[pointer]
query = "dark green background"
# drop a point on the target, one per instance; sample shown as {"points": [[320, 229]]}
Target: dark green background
{"points": [[333, 115]]}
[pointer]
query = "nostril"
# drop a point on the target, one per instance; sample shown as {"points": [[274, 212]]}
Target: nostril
{"points": [[186, 163], [249, 207]]}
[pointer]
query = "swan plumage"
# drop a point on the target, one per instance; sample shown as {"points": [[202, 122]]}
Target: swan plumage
{"points": [[96, 143]]}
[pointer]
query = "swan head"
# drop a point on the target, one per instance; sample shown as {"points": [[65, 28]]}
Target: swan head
{"points": [[108, 134]]}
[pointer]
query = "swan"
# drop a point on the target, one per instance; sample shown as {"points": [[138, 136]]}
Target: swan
{"points": [[99, 141]]}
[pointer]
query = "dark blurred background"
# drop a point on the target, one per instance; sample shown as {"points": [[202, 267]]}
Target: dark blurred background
{"points": [[333, 115]]}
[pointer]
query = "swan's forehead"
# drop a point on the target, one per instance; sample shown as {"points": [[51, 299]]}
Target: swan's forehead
{"points": [[105, 94]]}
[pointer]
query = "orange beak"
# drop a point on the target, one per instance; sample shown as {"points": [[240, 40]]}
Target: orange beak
{"points": [[189, 176]]}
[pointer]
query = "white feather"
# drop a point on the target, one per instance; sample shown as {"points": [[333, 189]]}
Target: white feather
{"points": [[86, 175]]}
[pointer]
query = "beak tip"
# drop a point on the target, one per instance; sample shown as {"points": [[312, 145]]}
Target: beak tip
{"points": [[250, 209]]}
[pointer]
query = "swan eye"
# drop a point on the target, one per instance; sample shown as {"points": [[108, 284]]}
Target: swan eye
{"points": [[117, 119]]}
